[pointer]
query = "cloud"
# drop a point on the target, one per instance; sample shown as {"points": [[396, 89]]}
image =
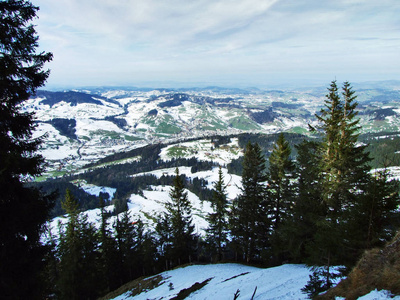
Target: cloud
{"points": [[106, 40]]}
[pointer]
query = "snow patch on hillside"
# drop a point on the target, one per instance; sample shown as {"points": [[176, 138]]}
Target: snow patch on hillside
{"points": [[204, 150], [232, 182], [284, 282]]}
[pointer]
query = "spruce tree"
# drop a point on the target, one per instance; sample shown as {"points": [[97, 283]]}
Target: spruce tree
{"points": [[344, 169], [249, 215], [108, 258], [218, 223], [281, 193], [164, 240], [309, 208], [179, 212], [23, 210], [280, 181], [79, 256], [126, 236]]}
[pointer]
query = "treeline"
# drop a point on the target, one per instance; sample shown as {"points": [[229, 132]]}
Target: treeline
{"points": [[383, 148], [266, 143], [66, 127], [59, 186], [86, 262], [119, 177]]}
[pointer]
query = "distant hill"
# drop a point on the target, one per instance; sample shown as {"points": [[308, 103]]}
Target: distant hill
{"points": [[71, 97], [108, 120]]}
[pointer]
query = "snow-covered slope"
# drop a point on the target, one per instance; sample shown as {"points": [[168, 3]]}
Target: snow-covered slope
{"points": [[107, 121], [151, 203], [224, 280]]}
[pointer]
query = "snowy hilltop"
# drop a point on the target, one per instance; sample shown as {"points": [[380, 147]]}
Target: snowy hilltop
{"points": [[223, 281]]}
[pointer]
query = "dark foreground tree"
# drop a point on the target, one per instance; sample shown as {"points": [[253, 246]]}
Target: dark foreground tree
{"points": [[78, 251], [249, 214], [179, 214], [108, 256], [359, 206], [308, 209], [281, 194], [23, 211], [218, 229]]}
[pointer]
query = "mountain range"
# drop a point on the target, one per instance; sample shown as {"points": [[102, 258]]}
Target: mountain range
{"points": [[82, 126]]}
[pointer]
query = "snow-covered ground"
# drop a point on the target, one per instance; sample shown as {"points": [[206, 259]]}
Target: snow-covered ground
{"points": [[149, 205], [204, 150], [283, 282], [232, 182], [94, 189]]}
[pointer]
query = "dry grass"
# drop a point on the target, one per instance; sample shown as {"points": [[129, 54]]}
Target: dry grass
{"points": [[183, 294], [136, 286], [377, 269]]}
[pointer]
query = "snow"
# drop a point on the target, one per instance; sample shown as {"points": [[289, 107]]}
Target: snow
{"points": [[379, 295], [204, 150], [57, 145], [152, 203], [283, 282], [232, 182], [94, 189]]}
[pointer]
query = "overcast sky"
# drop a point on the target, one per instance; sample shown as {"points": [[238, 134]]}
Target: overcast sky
{"points": [[241, 43]]}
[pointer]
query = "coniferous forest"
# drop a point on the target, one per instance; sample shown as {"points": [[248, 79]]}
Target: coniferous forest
{"points": [[312, 201]]}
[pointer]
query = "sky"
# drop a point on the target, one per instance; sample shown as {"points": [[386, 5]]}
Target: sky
{"points": [[231, 43]]}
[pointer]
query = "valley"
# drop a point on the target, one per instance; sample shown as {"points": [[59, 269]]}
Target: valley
{"points": [[84, 126]]}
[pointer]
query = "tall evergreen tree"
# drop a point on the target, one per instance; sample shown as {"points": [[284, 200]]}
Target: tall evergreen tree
{"points": [[108, 253], [218, 223], [23, 211], [376, 217], [346, 183], [79, 256], [344, 163], [249, 216], [280, 181], [179, 212], [126, 236], [281, 194], [309, 208]]}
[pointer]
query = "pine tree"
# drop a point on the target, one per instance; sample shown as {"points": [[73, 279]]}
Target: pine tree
{"points": [[280, 181], [376, 217], [309, 208], [249, 215], [179, 212], [344, 176], [344, 163], [164, 240], [281, 193], [79, 256], [331, 119], [126, 240], [218, 223], [108, 258], [23, 211]]}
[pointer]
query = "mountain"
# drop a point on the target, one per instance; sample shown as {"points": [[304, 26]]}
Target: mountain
{"points": [[83, 126]]}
